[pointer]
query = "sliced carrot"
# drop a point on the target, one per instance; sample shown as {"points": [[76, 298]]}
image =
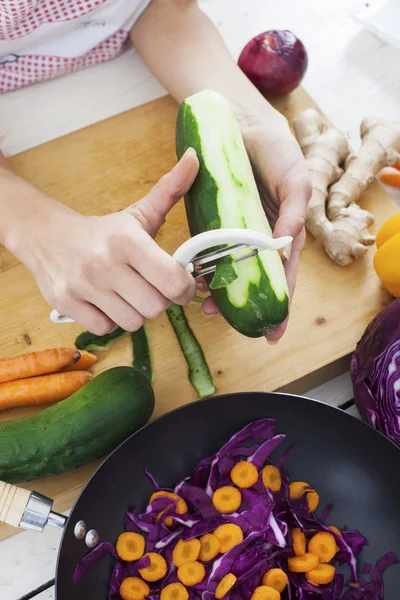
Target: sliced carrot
{"points": [[157, 568], [297, 489], [225, 585], [244, 474], [186, 551], [302, 564], [229, 536], [275, 578], [323, 544], [86, 361], [191, 573], [322, 574], [181, 506], [130, 546], [271, 478], [265, 592], [37, 363], [390, 178], [299, 542], [210, 547], [133, 588], [174, 591], [227, 499], [46, 389]]}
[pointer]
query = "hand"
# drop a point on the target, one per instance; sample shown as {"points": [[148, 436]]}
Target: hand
{"points": [[285, 189], [108, 271]]}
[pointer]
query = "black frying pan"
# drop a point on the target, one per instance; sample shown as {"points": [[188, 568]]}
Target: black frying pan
{"points": [[352, 466]]}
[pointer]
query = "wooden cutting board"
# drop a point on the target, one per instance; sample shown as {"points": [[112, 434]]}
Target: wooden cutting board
{"points": [[111, 164]]}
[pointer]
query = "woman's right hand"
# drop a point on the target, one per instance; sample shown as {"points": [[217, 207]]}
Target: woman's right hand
{"points": [[108, 271]]}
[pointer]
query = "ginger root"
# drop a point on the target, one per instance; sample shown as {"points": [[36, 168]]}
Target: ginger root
{"points": [[344, 235], [339, 177]]}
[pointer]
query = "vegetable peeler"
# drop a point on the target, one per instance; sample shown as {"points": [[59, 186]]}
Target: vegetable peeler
{"points": [[244, 243]]}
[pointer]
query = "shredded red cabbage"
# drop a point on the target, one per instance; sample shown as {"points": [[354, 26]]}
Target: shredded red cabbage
{"points": [[266, 519]]}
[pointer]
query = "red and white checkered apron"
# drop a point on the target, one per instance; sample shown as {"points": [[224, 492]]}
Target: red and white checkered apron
{"points": [[41, 39]]}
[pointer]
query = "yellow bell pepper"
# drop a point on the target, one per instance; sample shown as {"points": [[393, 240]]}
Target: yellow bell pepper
{"points": [[387, 257]]}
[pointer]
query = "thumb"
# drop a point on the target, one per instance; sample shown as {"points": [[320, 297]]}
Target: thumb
{"points": [[153, 208]]}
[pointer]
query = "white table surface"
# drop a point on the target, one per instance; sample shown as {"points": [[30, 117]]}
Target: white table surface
{"points": [[351, 74]]}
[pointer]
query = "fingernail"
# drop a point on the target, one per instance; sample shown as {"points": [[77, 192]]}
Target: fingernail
{"points": [[272, 342], [287, 251], [210, 314], [191, 151]]}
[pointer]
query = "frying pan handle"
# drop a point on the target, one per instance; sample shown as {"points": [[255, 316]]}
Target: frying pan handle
{"points": [[26, 509]]}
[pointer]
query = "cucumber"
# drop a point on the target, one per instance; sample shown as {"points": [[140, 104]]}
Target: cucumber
{"points": [[142, 360], [78, 430], [253, 297]]}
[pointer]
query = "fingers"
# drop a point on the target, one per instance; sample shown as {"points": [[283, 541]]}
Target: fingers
{"points": [[87, 315], [139, 293], [159, 269], [294, 198], [119, 311], [153, 208]]}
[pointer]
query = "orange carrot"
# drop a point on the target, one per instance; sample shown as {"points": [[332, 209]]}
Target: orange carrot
{"points": [[133, 588], [271, 478], [323, 544], [37, 363], [244, 474], [86, 361], [390, 178], [302, 564], [174, 591], [191, 573], [322, 574], [227, 499], [225, 585], [299, 542], [46, 389], [130, 546], [275, 578], [157, 568]]}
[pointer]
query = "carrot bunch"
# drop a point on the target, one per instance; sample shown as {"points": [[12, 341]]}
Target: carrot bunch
{"points": [[43, 377]]}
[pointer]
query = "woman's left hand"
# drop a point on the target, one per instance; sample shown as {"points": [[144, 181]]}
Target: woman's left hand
{"points": [[285, 189]]}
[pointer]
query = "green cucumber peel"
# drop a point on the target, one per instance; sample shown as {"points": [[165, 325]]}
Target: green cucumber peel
{"points": [[142, 360]]}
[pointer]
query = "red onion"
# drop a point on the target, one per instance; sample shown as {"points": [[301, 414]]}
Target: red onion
{"points": [[275, 61]]}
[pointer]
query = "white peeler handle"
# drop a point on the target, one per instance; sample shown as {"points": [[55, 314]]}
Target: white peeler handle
{"points": [[210, 239]]}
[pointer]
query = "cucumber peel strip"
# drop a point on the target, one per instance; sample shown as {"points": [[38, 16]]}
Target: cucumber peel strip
{"points": [[91, 342], [225, 274], [142, 360], [198, 371]]}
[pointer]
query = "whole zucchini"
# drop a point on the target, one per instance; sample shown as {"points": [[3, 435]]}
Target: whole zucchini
{"points": [[78, 430], [255, 299]]}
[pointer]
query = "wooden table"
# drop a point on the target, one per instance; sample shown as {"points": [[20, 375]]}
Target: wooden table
{"points": [[294, 368]]}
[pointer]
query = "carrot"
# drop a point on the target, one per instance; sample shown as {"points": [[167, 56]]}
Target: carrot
{"points": [[37, 363], [210, 547], [227, 499], [302, 564], [41, 390], [391, 179], [244, 474], [322, 574], [265, 592], [186, 551], [229, 536], [271, 478], [299, 542], [225, 585], [338, 532], [275, 578], [157, 568], [86, 360], [297, 489], [133, 588], [130, 546], [323, 544], [181, 506], [191, 573], [174, 591]]}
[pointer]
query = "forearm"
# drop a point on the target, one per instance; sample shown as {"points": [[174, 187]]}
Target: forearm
{"points": [[186, 53], [22, 208]]}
